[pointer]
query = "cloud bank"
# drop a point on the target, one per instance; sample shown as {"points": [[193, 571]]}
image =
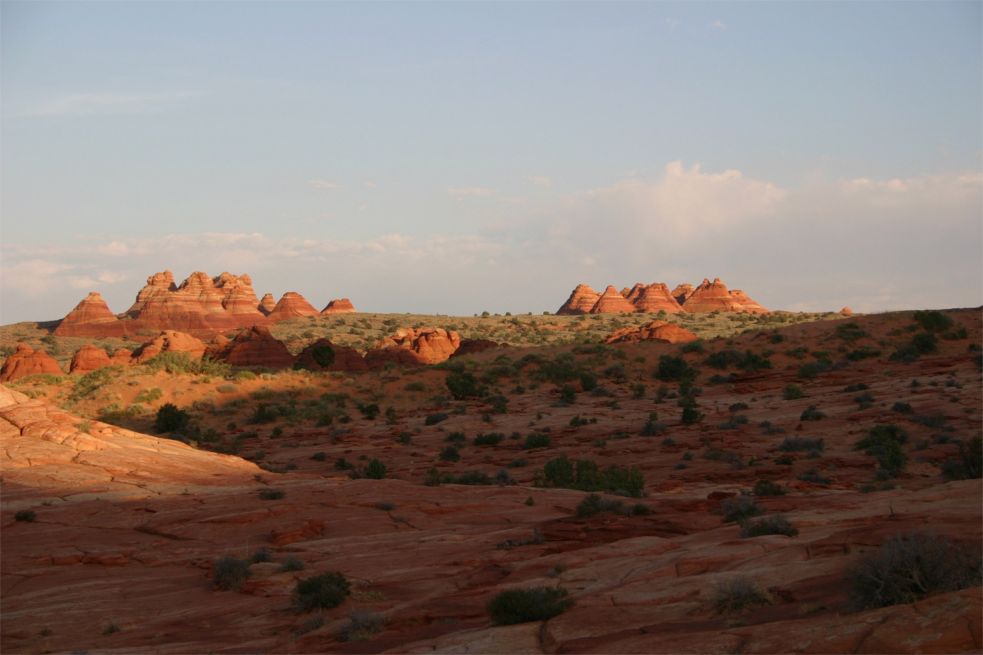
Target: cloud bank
{"points": [[871, 244]]}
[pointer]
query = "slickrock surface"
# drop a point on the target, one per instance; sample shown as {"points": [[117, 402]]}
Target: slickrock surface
{"points": [[654, 331], [581, 301], [26, 361]]}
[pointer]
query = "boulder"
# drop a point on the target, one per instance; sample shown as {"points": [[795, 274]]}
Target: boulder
{"points": [[846, 311], [26, 361]]}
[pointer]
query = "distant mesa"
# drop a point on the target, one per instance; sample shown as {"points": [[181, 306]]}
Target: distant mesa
{"points": [[200, 306], [661, 331], [339, 306], [656, 297], [26, 361]]}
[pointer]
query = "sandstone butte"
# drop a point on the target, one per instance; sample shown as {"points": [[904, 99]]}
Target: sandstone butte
{"points": [[169, 341], [661, 331], [253, 347], [339, 306], [200, 305], [612, 302], [656, 297], [26, 361], [291, 305], [428, 345], [89, 358], [315, 357], [581, 300]]}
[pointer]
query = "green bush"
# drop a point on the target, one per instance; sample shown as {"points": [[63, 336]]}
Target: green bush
{"points": [[25, 516], [911, 566], [793, 392], [323, 355], [739, 508], [171, 419], [969, 464], [767, 488], [674, 369], [375, 470], [450, 454], [932, 320], [271, 494], [532, 604], [798, 444], [230, 573], [586, 476], [812, 414], [884, 443], [489, 439], [537, 440], [323, 591], [738, 594], [463, 385], [434, 419], [777, 524]]}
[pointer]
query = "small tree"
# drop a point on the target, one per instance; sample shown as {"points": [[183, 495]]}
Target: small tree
{"points": [[171, 419]]}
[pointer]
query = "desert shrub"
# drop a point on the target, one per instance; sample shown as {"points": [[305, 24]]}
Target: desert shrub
{"points": [[531, 604], [416, 386], [369, 410], [261, 555], [968, 464], [674, 369], [463, 385], [537, 440], [594, 504], [468, 477], [489, 439], [171, 419], [578, 421], [739, 508], [813, 369], [148, 395], [263, 414], [813, 476], [292, 564], [693, 347], [776, 524], [936, 421], [177, 363], [450, 454], [91, 382], [586, 476], [323, 355], [723, 359], [652, 426], [902, 408], [25, 516], [767, 488], [922, 343], [911, 566], [434, 419], [884, 443], [863, 352], [323, 591], [792, 392], [375, 470], [271, 494], [932, 320], [362, 624], [738, 594], [850, 331], [230, 573], [798, 444], [691, 415], [812, 414]]}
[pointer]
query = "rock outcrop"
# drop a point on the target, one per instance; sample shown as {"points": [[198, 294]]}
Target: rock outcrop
{"points": [[682, 292], [291, 305], [715, 297], [634, 293], [322, 355], [90, 318], [89, 358], [655, 298], [169, 341], [267, 303], [414, 347], [582, 299], [846, 311], [662, 331], [339, 306], [121, 356], [612, 302], [253, 347], [238, 297], [746, 303], [26, 361], [471, 346]]}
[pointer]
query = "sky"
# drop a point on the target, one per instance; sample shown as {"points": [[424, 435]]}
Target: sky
{"points": [[455, 158]]}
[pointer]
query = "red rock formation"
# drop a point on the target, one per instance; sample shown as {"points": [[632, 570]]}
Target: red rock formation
{"points": [[26, 361], [656, 298], [267, 303], [471, 346], [158, 286], [291, 305], [746, 303], [581, 300], [238, 296], [169, 341], [633, 294], [682, 292], [342, 358], [654, 331], [254, 347], [89, 358], [339, 306], [415, 346], [122, 356], [612, 302], [846, 311], [90, 318]]}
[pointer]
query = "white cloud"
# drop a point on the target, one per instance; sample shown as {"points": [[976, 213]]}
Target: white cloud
{"points": [[85, 104], [475, 191], [718, 25], [326, 185]]}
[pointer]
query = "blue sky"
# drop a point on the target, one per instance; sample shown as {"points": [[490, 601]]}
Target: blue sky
{"points": [[456, 157]]}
